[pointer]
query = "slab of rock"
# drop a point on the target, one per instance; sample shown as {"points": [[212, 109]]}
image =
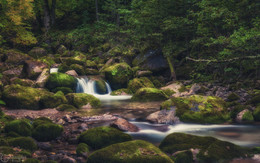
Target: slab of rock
{"points": [[163, 117], [124, 125], [72, 73], [42, 79], [32, 69]]}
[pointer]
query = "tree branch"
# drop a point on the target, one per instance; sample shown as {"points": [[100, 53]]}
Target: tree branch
{"points": [[226, 60]]}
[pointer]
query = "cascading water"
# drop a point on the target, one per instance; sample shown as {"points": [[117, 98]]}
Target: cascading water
{"points": [[88, 86]]}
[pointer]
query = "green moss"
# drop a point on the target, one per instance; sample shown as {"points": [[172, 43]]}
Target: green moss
{"points": [[118, 75], [23, 82], [130, 152], [20, 127], [233, 97], [66, 107], [149, 94], [80, 99], [256, 113], [211, 149], [54, 100], [64, 68], [248, 117], [169, 92], [166, 104], [51, 161], [78, 68], [100, 86], [121, 91], [183, 157], [32, 160], [41, 120], [90, 63], [100, 137], [47, 131], [82, 149], [138, 83], [183, 89], [255, 100], [6, 150], [61, 80], [65, 90], [24, 143]]}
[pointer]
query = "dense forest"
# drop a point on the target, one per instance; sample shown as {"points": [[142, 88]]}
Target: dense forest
{"points": [[130, 81]]}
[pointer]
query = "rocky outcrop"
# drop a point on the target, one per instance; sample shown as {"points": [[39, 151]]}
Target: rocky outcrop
{"points": [[164, 117], [124, 125]]}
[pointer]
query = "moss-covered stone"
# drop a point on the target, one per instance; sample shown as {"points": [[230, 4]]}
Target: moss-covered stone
{"points": [[54, 100], [169, 92], [256, 113], [20, 127], [100, 137], [91, 64], [66, 107], [123, 91], [6, 150], [80, 99], [41, 120], [47, 131], [118, 75], [37, 52], [185, 156], [129, 152], [78, 68], [138, 83], [248, 117], [82, 149], [211, 149], [23, 82], [65, 90], [101, 87], [32, 160], [61, 80], [24, 143], [149, 94]]}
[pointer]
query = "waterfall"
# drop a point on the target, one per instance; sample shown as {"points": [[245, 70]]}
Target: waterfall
{"points": [[53, 70], [86, 85]]}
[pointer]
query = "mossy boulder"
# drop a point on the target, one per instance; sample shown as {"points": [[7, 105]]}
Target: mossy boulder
{"points": [[65, 90], [32, 160], [78, 68], [118, 75], [256, 113], [248, 117], [91, 64], [23, 82], [80, 99], [101, 87], [100, 137], [66, 107], [54, 100], [138, 83], [199, 109], [211, 149], [61, 80], [82, 149], [123, 91], [41, 120], [184, 156], [37, 52], [129, 152], [24, 143], [21, 127], [46, 130], [233, 97], [149, 94]]}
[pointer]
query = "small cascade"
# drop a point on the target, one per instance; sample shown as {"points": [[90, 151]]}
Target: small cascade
{"points": [[86, 85], [53, 70]]}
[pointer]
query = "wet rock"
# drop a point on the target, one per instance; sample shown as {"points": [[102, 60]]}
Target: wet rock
{"points": [[164, 117], [32, 69], [72, 73], [42, 78], [67, 159], [45, 146], [22, 82], [124, 125]]}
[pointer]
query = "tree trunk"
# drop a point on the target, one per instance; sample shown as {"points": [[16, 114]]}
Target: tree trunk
{"points": [[173, 74], [53, 14], [47, 18], [97, 10]]}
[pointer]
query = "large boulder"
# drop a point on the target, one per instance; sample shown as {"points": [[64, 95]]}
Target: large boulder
{"points": [[20, 97], [130, 152], [37, 52], [61, 80], [153, 60], [20, 127], [100, 137], [32, 69], [22, 82], [210, 149], [53, 100], [138, 83], [100, 86], [118, 75], [163, 116], [124, 125], [80, 100], [149, 94]]}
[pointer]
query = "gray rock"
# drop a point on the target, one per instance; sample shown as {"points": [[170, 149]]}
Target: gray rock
{"points": [[42, 79]]}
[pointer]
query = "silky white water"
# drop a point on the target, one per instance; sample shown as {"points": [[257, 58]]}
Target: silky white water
{"points": [[53, 70]]}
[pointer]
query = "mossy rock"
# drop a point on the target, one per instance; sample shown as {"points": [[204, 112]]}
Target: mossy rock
{"points": [[255, 100], [256, 113], [32, 160], [65, 90], [129, 152], [53, 100], [101, 87], [181, 157], [6, 150], [169, 92], [64, 68], [61, 80], [20, 97], [80, 99], [75, 60], [78, 68], [41, 120], [66, 107], [26, 143], [82, 149], [233, 97], [37, 52], [248, 117], [138, 83], [118, 75], [100, 137], [211, 149], [123, 91], [149, 94], [47, 131], [23, 82], [25, 153], [91, 64], [21, 127]]}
